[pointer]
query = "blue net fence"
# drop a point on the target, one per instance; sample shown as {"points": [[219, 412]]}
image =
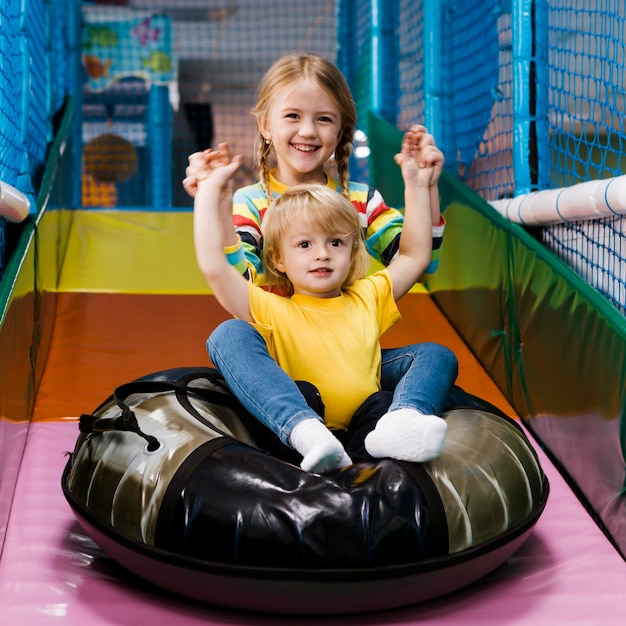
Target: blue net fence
{"points": [[33, 50], [556, 75], [522, 95], [581, 93]]}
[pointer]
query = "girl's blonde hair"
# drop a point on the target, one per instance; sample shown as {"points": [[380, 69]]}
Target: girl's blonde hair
{"points": [[326, 75], [317, 207]]}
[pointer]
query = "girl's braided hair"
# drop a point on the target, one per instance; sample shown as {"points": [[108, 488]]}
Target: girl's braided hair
{"points": [[324, 73]]}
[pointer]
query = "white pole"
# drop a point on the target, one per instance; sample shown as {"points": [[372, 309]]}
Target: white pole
{"points": [[590, 200], [14, 205]]}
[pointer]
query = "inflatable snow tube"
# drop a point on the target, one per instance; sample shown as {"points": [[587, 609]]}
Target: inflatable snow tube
{"points": [[167, 479]]}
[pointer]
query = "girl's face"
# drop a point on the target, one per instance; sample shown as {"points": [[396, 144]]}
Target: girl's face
{"points": [[316, 263], [304, 126]]}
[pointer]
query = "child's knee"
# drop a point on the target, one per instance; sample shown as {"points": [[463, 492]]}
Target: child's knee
{"points": [[231, 332], [446, 357]]}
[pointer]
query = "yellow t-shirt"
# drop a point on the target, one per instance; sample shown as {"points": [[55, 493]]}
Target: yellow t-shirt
{"points": [[332, 343]]}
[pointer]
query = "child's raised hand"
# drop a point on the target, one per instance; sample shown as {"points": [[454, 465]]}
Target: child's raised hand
{"points": [[420, 159], [200, 165], [216, 166], [195, 167], [435, 158]]}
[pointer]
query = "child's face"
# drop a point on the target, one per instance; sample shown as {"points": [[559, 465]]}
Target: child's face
{"points": [[316, 263], [304, 126]]}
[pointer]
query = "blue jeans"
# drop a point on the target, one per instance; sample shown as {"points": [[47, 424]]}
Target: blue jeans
{"points": [[420, 377]]}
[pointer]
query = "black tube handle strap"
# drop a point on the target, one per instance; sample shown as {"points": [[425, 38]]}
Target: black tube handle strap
{"points": [[127, 421]]}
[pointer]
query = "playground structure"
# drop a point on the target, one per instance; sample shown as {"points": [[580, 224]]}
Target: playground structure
{"points": [[86, 288]]}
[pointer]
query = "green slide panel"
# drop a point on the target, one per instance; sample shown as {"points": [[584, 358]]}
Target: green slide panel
{"points": [[27, 310]]}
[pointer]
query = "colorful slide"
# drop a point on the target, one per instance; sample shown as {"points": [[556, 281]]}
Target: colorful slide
{"points": [[103, 297]]}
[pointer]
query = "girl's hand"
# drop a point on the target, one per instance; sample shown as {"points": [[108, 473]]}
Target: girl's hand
{"points": [[437, 159], [195, 168], [203, 164], [420, 159], [219, 167], [200, 165]]}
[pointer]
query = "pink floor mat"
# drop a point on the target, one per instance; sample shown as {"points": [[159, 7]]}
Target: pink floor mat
{"points": [[51, 572]]}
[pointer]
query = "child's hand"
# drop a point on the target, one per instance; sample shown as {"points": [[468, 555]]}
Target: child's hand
{"points": [[215, 166], [201, 164], [195, 167], [437, 159], [420, 159]]}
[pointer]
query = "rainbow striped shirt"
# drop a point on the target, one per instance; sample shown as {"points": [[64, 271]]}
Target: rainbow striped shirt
{"points": [[382, 226]]}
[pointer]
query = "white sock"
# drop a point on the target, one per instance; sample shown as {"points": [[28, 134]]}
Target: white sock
{"points": [[321, 450], [407, 435]]}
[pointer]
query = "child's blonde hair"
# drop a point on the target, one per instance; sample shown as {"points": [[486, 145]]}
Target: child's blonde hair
{"points": [[326, 75], [317, 207]]}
